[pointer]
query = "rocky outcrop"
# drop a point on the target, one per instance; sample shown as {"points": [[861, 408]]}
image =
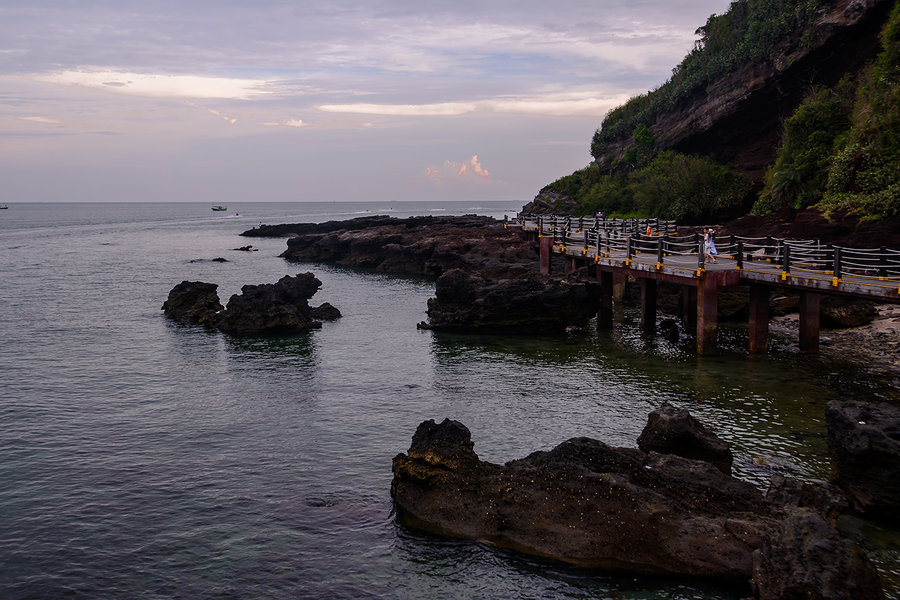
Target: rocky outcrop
{"points": [[864, 444], [272, 308], [672, 430], [193, 303], [593, 505], [280, 308], [736, 118], [424, 246], [531, 302]]}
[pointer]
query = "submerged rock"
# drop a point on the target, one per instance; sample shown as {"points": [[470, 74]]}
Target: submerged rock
{"points": [[597, 506], [864, 444]]}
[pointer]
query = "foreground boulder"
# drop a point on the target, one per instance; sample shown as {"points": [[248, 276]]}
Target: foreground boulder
{"points": [[530, 303], [593, 505], [193, 303], [864, 444], [280, 308]]}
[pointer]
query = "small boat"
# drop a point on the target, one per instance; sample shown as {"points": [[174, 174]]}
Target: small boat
{"points": [[220, 208], [3, 207]]}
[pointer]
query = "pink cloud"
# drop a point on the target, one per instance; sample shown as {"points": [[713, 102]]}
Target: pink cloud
{"points": [[469, 170]]}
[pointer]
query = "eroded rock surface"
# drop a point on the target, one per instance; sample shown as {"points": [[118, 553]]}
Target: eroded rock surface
{"points": [[593, 505], [864, 443], [280, 308]]}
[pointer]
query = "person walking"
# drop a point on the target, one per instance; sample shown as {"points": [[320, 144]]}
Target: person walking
{"points": [[709, 244]]}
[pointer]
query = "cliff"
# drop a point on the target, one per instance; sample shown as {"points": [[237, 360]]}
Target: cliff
{"points": [[737, 119]]}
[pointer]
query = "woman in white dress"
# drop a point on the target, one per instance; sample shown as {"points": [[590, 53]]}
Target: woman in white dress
{"points": [[709, 243]]}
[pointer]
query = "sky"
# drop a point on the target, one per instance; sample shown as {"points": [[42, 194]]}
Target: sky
{"points": [[386, 100]]}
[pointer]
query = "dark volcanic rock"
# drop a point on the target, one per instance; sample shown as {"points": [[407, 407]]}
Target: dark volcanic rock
{"points": [[326, 312], [672, 430], [864, 443], [193, 303], [426, 246], [593, 505], [790, 563], [272, 308], [826, 499], [532, 303], [267, 309]]}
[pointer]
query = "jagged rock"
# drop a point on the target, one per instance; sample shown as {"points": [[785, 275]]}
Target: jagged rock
{"points": [[426, 246], [326, 312], [807, 558], [840, 313], [193, 303], [826, 499], [246, 249], [864, 444], [672, 430], [272, 308], [593, 505], [532, 303]]}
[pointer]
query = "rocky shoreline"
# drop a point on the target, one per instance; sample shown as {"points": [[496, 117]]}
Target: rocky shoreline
{"points": [[668, 507]]}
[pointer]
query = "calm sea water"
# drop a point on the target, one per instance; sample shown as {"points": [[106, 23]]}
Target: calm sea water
{"points": [[143, 459]]}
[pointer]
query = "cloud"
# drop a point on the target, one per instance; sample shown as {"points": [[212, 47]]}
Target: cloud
{"points": [[47, 120], [469, 170], [572, 104], [155, 85]]}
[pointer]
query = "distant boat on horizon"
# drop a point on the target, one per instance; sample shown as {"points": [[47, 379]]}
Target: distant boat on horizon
{"points": [[220, 208], [3, 207]]}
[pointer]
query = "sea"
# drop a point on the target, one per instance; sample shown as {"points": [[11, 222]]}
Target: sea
{"points": [[140, 458]]}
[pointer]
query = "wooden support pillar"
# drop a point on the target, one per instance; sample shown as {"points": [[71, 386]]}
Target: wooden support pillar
{"points": [[809, 321], [707, 314], [648, 304], [570, 264], [605, 316], [689, 305], [546, 245], [619, 286], [758, 324]]}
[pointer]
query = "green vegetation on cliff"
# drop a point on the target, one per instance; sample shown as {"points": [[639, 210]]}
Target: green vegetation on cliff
{"points": [[749, 32], [840, 149]]}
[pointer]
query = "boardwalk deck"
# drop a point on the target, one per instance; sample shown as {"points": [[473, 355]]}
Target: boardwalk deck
{"points": [[804, 267]]}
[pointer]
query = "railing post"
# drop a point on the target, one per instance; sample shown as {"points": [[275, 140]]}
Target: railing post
{"points": [[769, 244], [629, 247], [701, 254], [786, 263], [882, 262], [659, 249], [740, 254], [836, 269]]}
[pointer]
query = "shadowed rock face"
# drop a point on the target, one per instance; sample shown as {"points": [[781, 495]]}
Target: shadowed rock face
{"points": [[672, 430], [193, 303], [529, 303], [593, 505], [280, 308], [864, 443]]}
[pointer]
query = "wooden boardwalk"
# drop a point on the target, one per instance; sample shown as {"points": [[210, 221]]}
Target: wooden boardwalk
{"points": [[621, 249]]}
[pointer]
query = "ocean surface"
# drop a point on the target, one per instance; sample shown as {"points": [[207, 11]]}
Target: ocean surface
{"points": [[144, 459]]}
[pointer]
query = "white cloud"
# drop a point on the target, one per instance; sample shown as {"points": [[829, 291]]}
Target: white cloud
{"points": [[581, 104], [154, 85], [47, 120]]}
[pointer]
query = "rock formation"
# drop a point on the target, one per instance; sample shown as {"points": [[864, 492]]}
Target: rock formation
{"points": [[864, 443], [531, 302], [424, 246], [593, 505], [193, 303], [280, 308], [672, 430]]}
